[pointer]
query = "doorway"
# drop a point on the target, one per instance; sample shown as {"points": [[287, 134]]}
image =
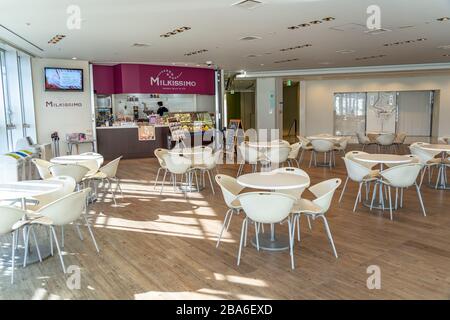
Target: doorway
{"points": [[291, 110], [240, 103]]}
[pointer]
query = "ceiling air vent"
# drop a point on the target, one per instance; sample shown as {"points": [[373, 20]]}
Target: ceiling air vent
{"points": [[248, 4]]}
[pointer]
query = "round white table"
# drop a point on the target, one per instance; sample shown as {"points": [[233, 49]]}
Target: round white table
{"points": [[78, 159], [23, 191], [381, 159], [190, 151], [444, 149], [273, 182], [266, 144], [334, 139]]}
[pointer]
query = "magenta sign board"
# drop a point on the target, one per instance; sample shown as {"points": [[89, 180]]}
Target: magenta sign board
{"points": [[142, 78]]}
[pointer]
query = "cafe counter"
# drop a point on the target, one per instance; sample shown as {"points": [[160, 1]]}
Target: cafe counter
{"points": [[130, 141]]}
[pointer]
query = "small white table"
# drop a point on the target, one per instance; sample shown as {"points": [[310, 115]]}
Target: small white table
{"points": [[334, 139], [22, 191], [78, 159], [444, 149], [381, 159], [273, 182]]}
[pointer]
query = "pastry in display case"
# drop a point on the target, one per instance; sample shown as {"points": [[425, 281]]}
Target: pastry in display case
{"points": [[194, 121]]}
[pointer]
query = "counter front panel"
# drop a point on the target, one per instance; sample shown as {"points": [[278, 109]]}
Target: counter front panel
{"points": [[113, 142]]}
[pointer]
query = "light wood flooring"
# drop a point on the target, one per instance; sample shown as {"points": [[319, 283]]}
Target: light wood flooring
{"points": [[163, 247]]}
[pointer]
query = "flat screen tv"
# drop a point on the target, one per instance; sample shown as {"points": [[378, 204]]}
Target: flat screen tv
{"points": [[63, 79]]}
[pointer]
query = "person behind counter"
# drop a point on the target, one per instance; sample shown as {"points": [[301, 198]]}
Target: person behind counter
{"points": [[161, 109]]}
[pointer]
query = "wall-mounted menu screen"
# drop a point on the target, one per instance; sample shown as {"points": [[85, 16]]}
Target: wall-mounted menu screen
{"points": [[63, 79]]}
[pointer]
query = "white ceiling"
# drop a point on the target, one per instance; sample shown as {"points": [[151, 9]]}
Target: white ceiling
{"points": [[110, 27]]}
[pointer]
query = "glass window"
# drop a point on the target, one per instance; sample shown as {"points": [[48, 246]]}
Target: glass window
{"points": [[349, 113]]}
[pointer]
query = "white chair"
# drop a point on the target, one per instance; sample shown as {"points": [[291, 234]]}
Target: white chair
{"points": [[68, 186], [341, 146], [75, 171], [159, 154], [230, 190], [176, 165], [297, 193], [385, 141], [43, 168], [248, 155], [208, 166], [364, 140], [266, 207], [98, 157], [294, 153], [92, 165], [360, 174], [426, 159], [322, 146], [402, 176], [62, 212], [275, 156], [352, 154], [306, 146], [10, 223], [108, 173], [317, 208]]}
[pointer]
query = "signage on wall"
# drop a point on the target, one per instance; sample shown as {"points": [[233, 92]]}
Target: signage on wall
{"points": [[151, 79], [66, 104]]}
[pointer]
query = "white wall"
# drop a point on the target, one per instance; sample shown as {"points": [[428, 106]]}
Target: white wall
{"points": [[318, 97], [266, 103], [63, 119]]}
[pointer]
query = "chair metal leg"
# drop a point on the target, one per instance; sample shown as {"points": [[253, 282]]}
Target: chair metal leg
{"points": [[59, 250], [298, 226], [224, 226], [91, 232], [210, 181], [343, 189], [13, 255], [244, 224], [358, 197], [373, 195], [390, 203], [309, 222], [291, 244], [310, 160], [77, 226], [164, 181], [157, 177], [327, 228], [420, 199], [62, 236], [257, 235]]}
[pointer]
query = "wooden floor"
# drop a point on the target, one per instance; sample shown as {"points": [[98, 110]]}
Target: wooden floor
{"points": [[163, 247]]}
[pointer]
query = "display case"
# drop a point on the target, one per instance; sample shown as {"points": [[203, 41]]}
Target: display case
{"points": [[194, 121]]}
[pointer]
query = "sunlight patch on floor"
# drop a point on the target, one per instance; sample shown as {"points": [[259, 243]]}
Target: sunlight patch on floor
{"points": [[240, 280]]}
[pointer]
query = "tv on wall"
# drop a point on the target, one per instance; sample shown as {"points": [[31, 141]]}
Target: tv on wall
{"points": [[63, 79]]}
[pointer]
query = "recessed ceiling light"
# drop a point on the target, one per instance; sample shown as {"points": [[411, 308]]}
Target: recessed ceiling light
{"points": [[325, 63], [446, 55], [74, 58], [262, 64], [443, 19], [56, 39], [329, 19], [28, 24], [315, 22]]}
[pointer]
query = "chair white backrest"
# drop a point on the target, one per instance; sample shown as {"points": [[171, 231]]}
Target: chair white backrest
{"points": [[305, 142], [295, 149], [98, 159], [43, 168], [230, 188], [324, 192], [351, 155], [77, 172], [423, 155], [249, 154], [266, 207], [92, 165], [66, 209], [68, 186], [110, 169], [386, 139], [297, 193], [278, 154], [176, 164], [159, 153], [9, 216], [402, 176], [356, 171], [322, 145], [362, 138]]}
